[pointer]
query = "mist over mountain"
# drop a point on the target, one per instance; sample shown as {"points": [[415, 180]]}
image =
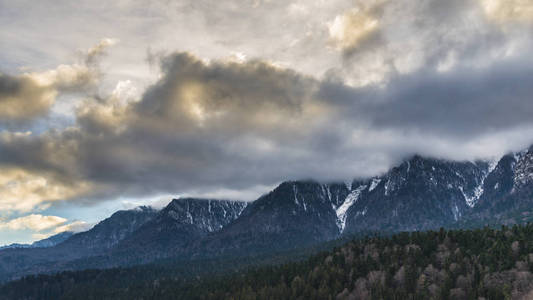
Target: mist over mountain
{"points": [[419, 194]]}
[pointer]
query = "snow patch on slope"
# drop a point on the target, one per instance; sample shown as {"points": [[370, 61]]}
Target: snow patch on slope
{"points": [[295, 191], [523, 169], [350, 200], [478, 190], [374, 184]]}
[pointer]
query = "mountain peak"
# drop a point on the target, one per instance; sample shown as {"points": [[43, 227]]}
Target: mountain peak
{"points": [[144, 208], [208, 214]]}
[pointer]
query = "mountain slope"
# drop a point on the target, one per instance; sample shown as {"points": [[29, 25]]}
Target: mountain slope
{"points": [[182, 222], [104, 235], [419, 194], [47, 242], [53, 240], [508, 191], [294, 214]]}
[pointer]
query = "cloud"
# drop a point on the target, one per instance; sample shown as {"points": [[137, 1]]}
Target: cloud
{"points": [[24, 190], [440, 78], [23, 97], [214, 128], [76, 226], [351, 28], [95, 52], [179, 125], [463, 103], [402, 37], [33, 222], [508, 10], [29, 95], [40, 236]]}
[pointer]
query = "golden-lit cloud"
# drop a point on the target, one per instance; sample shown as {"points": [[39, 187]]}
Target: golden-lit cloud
{"points": [[224, 95], [120, 138], [32, 94], [99, 49], [33, 222], [50, 222], [24, 190], [351, 28], [221, 125], [76, 226], [24, 97], [40, 236], [508, 10]]}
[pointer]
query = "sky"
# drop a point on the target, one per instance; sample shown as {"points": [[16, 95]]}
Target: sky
{"points": [[107, 105]]}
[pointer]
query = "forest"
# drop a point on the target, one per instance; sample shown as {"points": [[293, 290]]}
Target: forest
{"points": [[483, 263]]}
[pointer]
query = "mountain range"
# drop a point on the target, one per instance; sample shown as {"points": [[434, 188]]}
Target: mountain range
{"points": [[47, 242], [418, 194]]}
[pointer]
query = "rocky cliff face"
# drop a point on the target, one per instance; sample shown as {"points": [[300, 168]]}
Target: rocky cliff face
{"points": [[294, 214], [179, 224], [419, 194], [508, 190], [108, 233]]}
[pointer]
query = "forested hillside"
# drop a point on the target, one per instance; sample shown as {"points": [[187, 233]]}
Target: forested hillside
{"points": [[459, 264]]}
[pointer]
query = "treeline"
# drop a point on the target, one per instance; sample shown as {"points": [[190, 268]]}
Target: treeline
{"points": [[458, 264]]}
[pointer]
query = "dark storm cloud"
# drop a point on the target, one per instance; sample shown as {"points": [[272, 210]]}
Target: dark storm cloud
{"points": [[462, 104]]}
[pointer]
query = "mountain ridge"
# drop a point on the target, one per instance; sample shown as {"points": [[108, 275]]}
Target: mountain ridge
{"points": [[43, 243], [420, 193]]}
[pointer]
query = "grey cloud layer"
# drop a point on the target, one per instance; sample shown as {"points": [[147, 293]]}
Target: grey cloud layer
{"points": [[460, 104], [207, 126]]}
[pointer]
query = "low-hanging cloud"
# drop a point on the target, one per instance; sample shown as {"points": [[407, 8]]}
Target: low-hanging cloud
{"points": [[461, 104]]}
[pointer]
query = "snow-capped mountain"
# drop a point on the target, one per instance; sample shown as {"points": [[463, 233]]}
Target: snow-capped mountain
{"points": [[110, 231], [207, 215], [423, 193], [508, 190], [180, 223], [420, 193], [295, 214]]}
